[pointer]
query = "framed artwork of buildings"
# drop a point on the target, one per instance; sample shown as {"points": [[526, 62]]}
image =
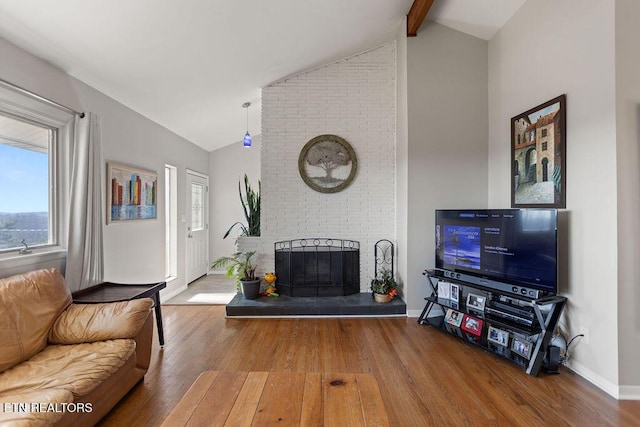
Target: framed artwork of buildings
{"points": [[538, 156], [132, 193]]}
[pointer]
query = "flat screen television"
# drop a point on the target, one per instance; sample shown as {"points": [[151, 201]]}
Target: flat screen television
{"points": [[509, 246]]}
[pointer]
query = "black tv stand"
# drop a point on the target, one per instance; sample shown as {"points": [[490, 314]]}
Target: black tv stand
{"points": [[513, 325]]}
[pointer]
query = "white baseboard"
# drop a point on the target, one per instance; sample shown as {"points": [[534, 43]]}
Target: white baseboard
{"points": [[619, 392], [629, 392], [172, 293], [435, 311], [595, 379]]}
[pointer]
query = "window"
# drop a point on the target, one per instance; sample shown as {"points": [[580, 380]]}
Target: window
{"points": [[27, 180], [35, 152], [544, 146], [171, 221], [197, 207], [544, 133]]}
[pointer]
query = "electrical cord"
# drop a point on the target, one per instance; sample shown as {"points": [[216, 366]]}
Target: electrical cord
{"points": [[565, 357]]}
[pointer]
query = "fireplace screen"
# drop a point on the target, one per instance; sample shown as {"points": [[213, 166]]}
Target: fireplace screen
{"points": [[317, 267]]}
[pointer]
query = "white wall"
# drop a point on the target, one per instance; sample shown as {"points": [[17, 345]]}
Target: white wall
{"points": [[355, 99], [134, 252], [227, 167], [628, 176], [402, 159], [549, 48], [447, 118]]}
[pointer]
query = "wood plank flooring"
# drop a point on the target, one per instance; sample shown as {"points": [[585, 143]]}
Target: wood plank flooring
{"points": [[425, 376], [232, 398]]}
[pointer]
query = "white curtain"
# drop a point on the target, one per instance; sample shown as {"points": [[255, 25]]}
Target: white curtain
{"points": [[85, 260]]}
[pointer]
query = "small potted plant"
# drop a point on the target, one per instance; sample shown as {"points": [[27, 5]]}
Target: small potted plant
{"points": [[241, 267], [384, 286]]}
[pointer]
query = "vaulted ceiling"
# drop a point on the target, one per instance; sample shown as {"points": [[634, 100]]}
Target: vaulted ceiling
{"points": [[189, 65]]}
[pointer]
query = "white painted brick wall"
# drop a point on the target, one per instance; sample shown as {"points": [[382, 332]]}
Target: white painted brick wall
{"points": [[355, 99]]}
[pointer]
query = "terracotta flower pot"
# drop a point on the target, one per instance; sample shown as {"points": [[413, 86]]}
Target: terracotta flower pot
{"points": [[381, 297]]}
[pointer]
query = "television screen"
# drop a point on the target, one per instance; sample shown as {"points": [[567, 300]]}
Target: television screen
{"points": [[512, 246]]}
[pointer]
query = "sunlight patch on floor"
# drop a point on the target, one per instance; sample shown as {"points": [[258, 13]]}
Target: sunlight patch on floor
{"points": [[209, 298]]}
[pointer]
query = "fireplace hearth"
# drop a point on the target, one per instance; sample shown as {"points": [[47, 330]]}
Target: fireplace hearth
{"points": [[320, 267]]}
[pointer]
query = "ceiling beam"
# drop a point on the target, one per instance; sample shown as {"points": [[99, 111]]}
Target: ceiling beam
{"points": [[416, 15]]}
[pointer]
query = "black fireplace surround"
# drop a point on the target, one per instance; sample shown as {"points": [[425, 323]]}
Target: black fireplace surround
{"points": [[317, 267]]}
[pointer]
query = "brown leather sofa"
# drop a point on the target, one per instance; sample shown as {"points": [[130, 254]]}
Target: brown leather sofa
{"points": [[63, 363]]}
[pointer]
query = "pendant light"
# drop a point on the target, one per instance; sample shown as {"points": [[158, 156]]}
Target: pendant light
{"points": [[247, 138]]}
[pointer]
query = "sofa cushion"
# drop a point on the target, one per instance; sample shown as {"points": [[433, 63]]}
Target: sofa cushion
{"points": [[76, 368], [19, 412], [99, 322], [29, 304]]}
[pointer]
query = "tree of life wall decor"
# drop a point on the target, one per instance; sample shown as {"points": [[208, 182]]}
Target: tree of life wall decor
{"points": [[327, 164], [538, 156]]}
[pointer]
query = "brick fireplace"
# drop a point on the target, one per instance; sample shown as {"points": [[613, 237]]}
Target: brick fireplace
{"points": [[353, 98]]}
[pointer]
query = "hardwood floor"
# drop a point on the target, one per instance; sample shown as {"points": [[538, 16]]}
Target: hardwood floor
{"points": [[426, 377]]}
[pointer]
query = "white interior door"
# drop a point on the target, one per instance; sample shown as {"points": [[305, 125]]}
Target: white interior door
{"points": [[197, 225]]}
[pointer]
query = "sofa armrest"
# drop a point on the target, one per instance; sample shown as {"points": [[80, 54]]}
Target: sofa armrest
{"points": [[144, 343], [98, 322]]}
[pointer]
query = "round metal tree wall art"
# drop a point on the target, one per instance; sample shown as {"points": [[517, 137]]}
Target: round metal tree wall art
{"points": [[327, 164]]}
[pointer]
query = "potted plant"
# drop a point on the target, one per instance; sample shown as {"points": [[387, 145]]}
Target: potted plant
{"points": [[384, 286], [241, 267], [251, 207]]}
